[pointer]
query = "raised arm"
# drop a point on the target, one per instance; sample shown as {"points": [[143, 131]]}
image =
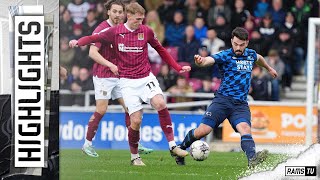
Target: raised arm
{"points": [[203, 61], [85, 40], [103, 37], [262, 62]]}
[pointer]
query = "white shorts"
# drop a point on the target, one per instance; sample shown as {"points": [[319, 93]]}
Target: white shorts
{"points": [[136, 91], [106, 88]]}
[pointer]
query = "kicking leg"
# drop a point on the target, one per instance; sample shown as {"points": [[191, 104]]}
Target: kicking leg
{"points": [[166, 124]]}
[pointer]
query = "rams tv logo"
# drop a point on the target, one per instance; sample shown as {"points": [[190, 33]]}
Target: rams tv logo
{"points": [[29, 91], [301, 170]]}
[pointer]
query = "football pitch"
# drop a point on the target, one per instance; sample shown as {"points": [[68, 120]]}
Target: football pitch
{"points": [[115, 164]]}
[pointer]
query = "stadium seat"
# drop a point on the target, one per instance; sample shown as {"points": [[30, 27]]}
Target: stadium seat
{"points": [[195, 83], [173, 51], [155, 69]]}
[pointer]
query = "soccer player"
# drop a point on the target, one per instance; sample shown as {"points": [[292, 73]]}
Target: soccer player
{"points": [[137, 82], [105, 77], [230, 102]]}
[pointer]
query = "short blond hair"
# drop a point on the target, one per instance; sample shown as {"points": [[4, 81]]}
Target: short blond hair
{"points": [[134, 8]]}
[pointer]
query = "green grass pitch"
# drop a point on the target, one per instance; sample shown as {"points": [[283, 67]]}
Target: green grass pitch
{"points": [[115, 164]]}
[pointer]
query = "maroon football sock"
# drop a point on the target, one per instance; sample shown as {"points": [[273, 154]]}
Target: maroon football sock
{"points": [[134, 137], [93, 125], [166, 124]]}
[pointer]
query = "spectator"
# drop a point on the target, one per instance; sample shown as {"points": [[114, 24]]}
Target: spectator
{"points": [[66, 54], [276, 63], [90, 23], [206, 88], [204, 6], [220, 9], [261, 8], [66, 24], [258, 43], [200, 30], [181, 88], [239, 15], [101, 14], [206, 85], [166, 77], [249, 25], [223, 30], [277, 13], [78, 9], [259, 84], [212, 42], [267, 29], [174, 33], [153, 21], [196, 71], [189, 47], [284, 45], [166, 11], [74, 75], [81, 57], [302, 11], [84, 83], [191, 7], [152, 5], [298, 39], [77, 31]]}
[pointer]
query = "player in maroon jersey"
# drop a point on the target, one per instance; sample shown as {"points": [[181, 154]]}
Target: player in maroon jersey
{"points": [[137, 82], [105, 76]]}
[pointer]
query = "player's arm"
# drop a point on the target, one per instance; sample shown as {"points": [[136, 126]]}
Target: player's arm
{"points": [[96, 56], [103, 37], [203, 61], [262, 62], [153, 41]]}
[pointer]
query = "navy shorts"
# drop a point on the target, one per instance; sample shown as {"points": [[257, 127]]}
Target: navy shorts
{"points": [[224, 107]]}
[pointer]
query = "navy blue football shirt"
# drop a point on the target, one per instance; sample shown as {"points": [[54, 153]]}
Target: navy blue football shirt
{"points": [[235, 72]]}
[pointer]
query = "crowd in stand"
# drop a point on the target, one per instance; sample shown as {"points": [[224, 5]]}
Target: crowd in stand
{"points": [[277, 30]]}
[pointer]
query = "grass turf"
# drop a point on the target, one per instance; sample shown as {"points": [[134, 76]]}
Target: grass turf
{"points": [[115, 164]]}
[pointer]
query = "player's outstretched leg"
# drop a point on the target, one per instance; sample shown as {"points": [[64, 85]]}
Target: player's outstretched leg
{"points": [[166, 125], [186, 143], [93, 124], [248, 146]]}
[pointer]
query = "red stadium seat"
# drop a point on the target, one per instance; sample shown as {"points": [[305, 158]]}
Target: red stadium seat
{"points": [[195, 83], [155, 69], [173, 51]]}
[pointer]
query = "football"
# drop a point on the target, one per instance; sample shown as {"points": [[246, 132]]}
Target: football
{"points": [[199, 150]]}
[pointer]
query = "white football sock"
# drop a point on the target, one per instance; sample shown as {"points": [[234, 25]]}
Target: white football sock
{"points": [[172, 144]]}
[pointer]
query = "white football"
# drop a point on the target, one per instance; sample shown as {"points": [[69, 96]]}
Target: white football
{"points": [[199, 150]]}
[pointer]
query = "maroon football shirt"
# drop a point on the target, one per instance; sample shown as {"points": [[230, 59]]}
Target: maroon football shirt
{"points": [[131, 49], [107, 51]]}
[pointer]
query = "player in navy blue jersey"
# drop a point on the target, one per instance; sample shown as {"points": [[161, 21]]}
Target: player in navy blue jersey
{"points": [[230, 102]]}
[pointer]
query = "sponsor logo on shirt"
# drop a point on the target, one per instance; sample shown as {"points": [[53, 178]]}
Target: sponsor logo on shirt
{"points": [[243, 65], [123, 48]]}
